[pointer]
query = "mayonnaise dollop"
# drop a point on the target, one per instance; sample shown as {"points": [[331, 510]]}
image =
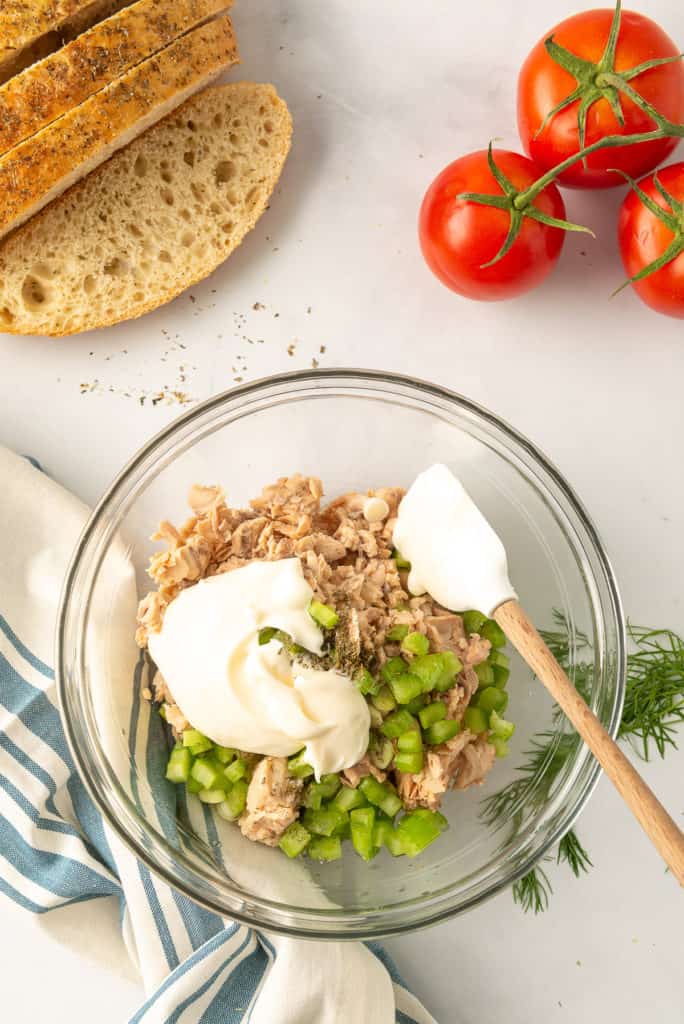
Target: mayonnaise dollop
{"points": [[244, 695], [455, 555]]}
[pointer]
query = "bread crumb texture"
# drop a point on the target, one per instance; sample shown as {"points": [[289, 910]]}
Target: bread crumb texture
{"points": [[158, 217]]}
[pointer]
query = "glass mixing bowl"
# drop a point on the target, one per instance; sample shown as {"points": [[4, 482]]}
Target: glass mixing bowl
{"points": [[355, 430]]}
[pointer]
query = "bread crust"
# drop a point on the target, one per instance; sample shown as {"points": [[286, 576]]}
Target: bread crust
{"points": [[63, 80], [40, 168]]}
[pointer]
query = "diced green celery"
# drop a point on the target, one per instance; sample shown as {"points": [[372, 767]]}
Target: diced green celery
{"points": [[343, 830], [380, 751], [384, 701], [397, 723], [235, 802], [451, 666], [410, 742], [162, 711], [212, 796], [394, 842], [400, 561], [491, 698], [362, 821], [440, 732], [209, 773], [476, 720], [323, 614], [485, 674], [330, 783], [298, 767], [418, 829], [493, 632], [473, 621], [429, 668], [237, 770], [347, 799], [193, 738], [409, 762], [179, 765], [193, 786], [501, 675], [500, 659], [294, 839], [313, 797], [365, 683], [324, 848], [415, 643], [325, 820], [432, 713], [318, 792], [393, 668], [381, 829], [381, 795], [500, 746], [397, 633], [500, 727], [415, 705], [225, 754], [405, 688]]}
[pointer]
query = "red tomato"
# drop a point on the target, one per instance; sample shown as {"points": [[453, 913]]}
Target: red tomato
{"points": [[458, 236], [643, 237], [543, 84]]}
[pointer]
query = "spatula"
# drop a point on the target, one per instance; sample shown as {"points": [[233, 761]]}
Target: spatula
{"points": [[457, 557]]}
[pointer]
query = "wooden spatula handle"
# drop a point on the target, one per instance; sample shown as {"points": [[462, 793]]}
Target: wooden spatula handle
{"points": [[665, 835]]}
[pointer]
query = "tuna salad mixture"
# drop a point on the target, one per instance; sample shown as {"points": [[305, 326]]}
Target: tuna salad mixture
{"points": [[421, 688]]}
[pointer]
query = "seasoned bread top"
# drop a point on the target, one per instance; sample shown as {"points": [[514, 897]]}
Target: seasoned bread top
{"points": [[64, 79], [40, 168]]}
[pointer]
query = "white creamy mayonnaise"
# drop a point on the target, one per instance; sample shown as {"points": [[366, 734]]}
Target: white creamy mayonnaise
{"points": [[455, 555], [244, 695]]}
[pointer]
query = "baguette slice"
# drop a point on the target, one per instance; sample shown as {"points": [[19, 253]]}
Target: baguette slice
{"points": [[59, 83], [30, 29], [42, 167], [160, 216]]}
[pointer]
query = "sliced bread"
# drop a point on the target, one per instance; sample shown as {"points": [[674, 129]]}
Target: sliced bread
{"points": [[60, 82], [161, 215], [42, 167], [30, 29]]}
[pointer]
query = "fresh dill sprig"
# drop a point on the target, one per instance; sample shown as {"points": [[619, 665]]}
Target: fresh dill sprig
{"points": [[654, 694], [532, 891], [653, 710], [571, 852]]}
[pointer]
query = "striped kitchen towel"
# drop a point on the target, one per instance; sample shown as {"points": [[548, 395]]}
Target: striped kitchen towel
{"points": [[55, 848]]}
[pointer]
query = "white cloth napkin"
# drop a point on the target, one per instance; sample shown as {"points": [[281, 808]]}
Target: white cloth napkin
{"points": [[55, 849]]}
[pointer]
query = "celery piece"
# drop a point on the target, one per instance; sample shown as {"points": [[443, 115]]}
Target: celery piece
{"points": [[415, 643], [384, 701], [501, 675], [500, 659], [397, 633], [225, 754], [418, 829], [400, 561], [366, 684], [405, 688], [381, 795], [162, 711], [434, 712], [324, 820], [409, 762], [441, 731], [323, 614], [493, 632], [393, 668], [410, 742], [381, 830], [362, 820], [485, 674], [324, 848], [415, 705], [397, 723], [380, 751], [473, 621], [208, 773], [193, 737], [451, 666], [500, 727], [395, 843], [294, 839], [193, 786], [376, 718], [212, 796], [491, 698], [235, 802], [476, 719], [179, 765], [237, 770], [347, 799], [500, 746], [298, 767]]}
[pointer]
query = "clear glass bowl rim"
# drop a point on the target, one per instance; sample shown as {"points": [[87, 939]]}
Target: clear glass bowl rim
{"points": [[309, 922]]}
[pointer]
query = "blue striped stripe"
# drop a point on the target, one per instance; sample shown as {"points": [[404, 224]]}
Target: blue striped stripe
{"points": [[26, 654], [32, 707], [194, 996], [22, 900], [60, 875], [91, 822], [159, 919], [230, 1003], [190, 964]]}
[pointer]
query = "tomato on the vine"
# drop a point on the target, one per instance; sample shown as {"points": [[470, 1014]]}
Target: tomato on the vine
{"points": [[651, 237], [459, 237], [574, 89]]}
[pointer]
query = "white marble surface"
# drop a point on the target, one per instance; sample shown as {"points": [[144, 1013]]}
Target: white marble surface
{"points": [[384, 95]]}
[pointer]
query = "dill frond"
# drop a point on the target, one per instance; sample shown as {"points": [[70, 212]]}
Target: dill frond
{"points": [[571, 852], [654, 694], [532, 891]]}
